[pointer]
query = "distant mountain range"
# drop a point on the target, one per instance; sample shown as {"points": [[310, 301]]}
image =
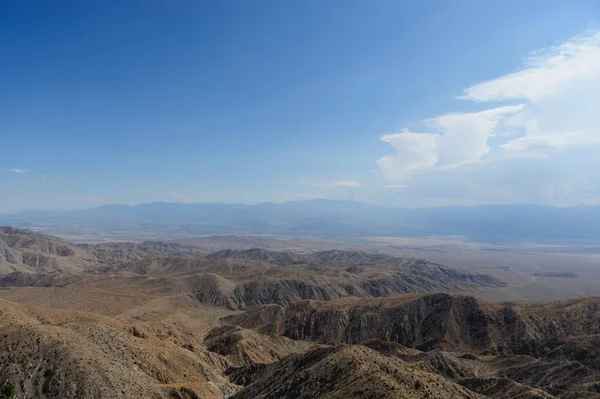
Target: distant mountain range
{"points": [[325, 218]]}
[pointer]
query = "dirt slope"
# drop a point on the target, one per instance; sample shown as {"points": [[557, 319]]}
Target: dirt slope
{"points": [[53, 353], [241, 283], [344, 372], [26, 251], [430, 321]]}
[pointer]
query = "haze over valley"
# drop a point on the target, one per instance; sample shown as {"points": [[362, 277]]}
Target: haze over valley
{"points": [[320, 218]]}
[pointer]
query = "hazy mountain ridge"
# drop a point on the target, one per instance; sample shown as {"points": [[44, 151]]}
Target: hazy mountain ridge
{"points": [[328, 218]]}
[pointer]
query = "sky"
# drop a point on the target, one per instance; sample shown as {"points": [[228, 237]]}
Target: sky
{"points": [[397, 103]]}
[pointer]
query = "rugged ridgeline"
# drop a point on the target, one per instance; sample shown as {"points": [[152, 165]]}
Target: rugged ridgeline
{"points": [[344, 372], [236, 279], [430, 322], [542, 351], [54, 353], [115, 253], [31, 252], [26, 251], [31, 258], [243, 279]]}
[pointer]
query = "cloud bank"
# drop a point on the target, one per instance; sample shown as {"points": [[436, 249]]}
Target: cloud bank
{"points": [[549, 114]]}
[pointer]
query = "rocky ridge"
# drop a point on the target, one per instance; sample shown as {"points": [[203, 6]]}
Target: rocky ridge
{"points": [[145, 320]]}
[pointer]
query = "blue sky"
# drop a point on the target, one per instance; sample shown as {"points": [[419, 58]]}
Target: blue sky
{"points": [[401, 103]]}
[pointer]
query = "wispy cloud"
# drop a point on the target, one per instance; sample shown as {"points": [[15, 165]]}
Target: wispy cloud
{"points": [[16, 170], [560, 86], [178, 196], [547, 72], [395, 186], [338, 183]]}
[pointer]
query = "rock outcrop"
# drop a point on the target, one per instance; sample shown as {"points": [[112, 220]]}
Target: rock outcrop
{"points": [[430, 321]]}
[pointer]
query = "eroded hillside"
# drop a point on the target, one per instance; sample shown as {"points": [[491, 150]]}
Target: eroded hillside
{"points": [[162, 320]]}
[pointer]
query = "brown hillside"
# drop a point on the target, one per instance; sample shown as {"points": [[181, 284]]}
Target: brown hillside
{"points": [[243, 283], [53, 353], [344, 372], [429, 321], [30, 252]]}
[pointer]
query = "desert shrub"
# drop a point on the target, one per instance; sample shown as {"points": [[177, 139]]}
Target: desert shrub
{"points": [[9, 391]]}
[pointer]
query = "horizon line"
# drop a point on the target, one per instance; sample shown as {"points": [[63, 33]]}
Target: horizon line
{"points": [[16, 212]]}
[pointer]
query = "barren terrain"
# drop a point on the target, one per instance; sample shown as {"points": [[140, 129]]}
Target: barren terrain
{"points": [[179, 320]]}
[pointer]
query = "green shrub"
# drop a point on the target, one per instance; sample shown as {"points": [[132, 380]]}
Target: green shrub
{"points": [[9, 391]]}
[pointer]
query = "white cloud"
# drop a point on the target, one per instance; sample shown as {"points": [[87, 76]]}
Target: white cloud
{"points": [[461, 138], [464, 137], [555, 181], [539, 144], [547, 72], [413, 151], [561, 87], [177, 196], [16, 170], [553, 120], [339, 183], [559, 123]]}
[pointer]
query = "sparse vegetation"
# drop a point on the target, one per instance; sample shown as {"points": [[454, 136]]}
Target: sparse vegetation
{"points": [[8, 391]]}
